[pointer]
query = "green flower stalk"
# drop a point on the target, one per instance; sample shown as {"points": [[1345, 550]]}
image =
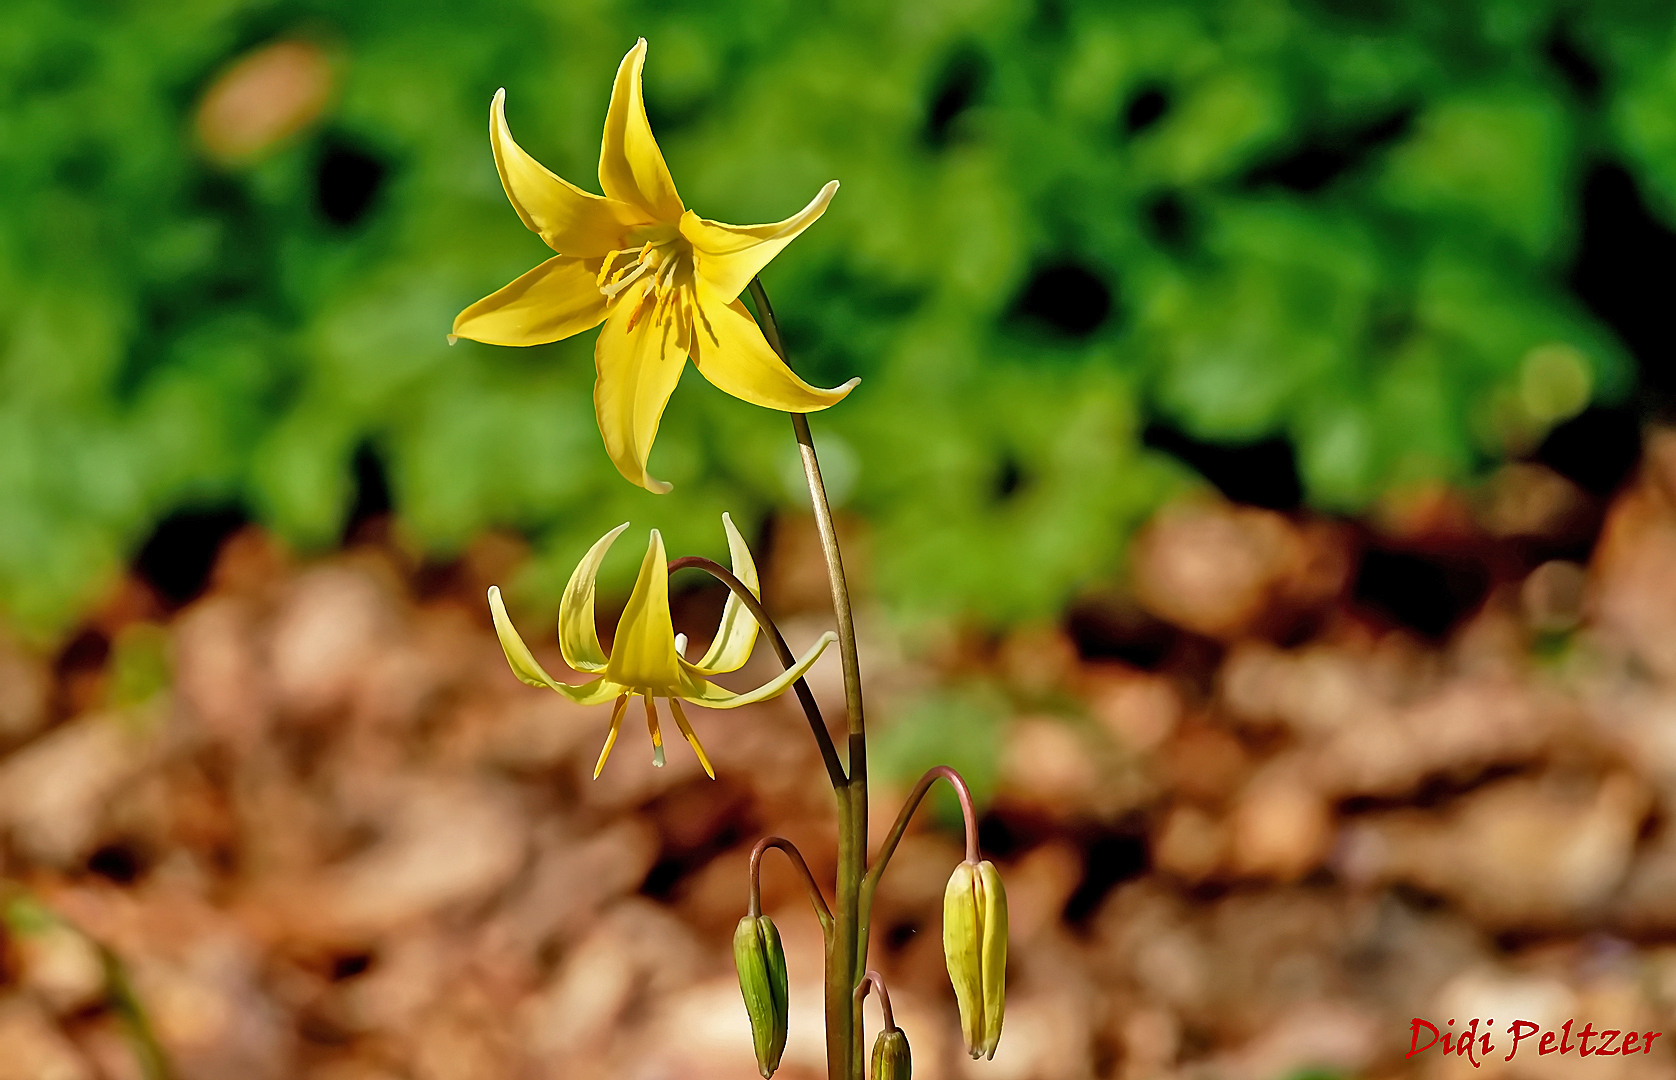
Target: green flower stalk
{"points": [[668, 284], [975, 947], [891, 1059]]}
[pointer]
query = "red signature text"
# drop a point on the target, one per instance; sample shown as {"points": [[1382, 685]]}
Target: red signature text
{"points": [[1475, 1043]]}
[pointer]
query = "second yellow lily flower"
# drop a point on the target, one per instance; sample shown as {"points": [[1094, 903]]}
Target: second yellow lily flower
{"points": [[665, 281], [646, 655]]}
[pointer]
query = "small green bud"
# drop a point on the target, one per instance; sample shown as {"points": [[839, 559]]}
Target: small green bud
{"points": [[762, 980], [891, 1060], [975, 946]]}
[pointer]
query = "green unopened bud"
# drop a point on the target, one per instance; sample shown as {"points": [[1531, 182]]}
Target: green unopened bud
{"points": [[891, 1060], [762, 980], [975, 946]]}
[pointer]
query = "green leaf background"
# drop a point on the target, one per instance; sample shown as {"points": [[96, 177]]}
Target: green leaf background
{"points": [[174, 334]]}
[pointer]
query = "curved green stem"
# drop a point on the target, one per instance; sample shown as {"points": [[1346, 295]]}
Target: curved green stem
{"points": [[915, 797], [841, 609], [822, 912], [805, 697], [874, 980], [846, 953]]}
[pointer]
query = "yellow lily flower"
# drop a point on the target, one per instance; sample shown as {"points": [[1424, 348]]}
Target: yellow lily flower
{"points": [[646, 655], [665, 281]]}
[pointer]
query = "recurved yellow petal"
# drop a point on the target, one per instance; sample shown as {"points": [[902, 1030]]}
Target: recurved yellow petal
{"points": [[572, 221], [701, 691], [529, 670], [737, 633], [730, 351], [635, 372], [631, 167], [518, 655], [643, 655], [578, 637], [559, 298], [729, 256]]}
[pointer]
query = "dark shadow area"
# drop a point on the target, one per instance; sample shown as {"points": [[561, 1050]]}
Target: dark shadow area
{"points": [[178, 557], [1112, 629], [1008, 832], [349, 965], [1146, 106], [1110, 858], [899, 934], [372, 491], [1010, 478], [1261, 473], [1597, 449], [119, 863], [86, 651], [697, 821], [347, 183], [1576, 67], [1067, 298], [1434, 792], [1168, 220], [1427, 595], [958, 87], [1328, 155], [1626, 273]]}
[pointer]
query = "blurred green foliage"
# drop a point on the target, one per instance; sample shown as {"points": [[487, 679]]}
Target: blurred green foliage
{"points": [[1342, 223]]}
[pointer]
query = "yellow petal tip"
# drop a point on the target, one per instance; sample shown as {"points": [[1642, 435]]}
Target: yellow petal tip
{"points": [[453, 339]]}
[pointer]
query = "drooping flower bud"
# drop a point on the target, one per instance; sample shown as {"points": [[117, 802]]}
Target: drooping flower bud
{"points": [[975, 946], [891, 1060], [762, 981]]}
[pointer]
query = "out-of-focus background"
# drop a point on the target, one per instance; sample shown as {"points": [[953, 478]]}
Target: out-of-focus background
{"points": [[1257, 486]]}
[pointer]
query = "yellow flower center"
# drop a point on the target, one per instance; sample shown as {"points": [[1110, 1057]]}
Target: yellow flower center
{"points": [[657, 278]]}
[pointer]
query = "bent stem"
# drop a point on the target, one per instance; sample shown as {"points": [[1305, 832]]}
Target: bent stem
{"points": [[874, 981], [822, 912], [915, 797], [817, 724], [846, 952]]}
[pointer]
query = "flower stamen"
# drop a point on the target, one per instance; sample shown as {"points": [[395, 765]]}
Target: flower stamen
{"points": [[692, 737], [657, 735], [611, 739]]}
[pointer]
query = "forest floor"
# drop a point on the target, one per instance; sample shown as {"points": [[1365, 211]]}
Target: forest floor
{"points": [[1305, 783]]}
